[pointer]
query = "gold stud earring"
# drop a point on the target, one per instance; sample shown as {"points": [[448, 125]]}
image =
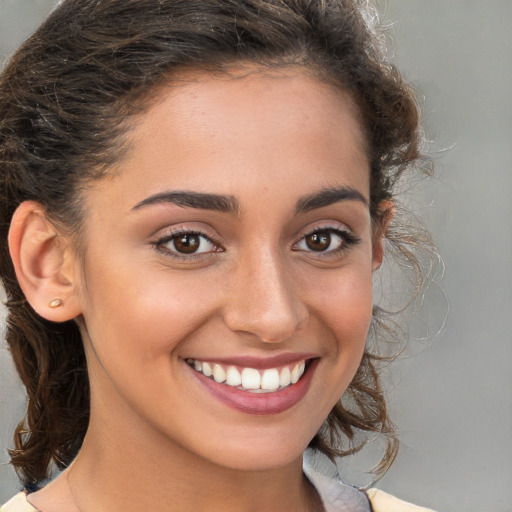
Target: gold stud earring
{"points": [[56, 303]]}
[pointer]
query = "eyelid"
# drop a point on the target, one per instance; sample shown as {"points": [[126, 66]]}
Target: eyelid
{"points": [[175, 232], [349, 238]]}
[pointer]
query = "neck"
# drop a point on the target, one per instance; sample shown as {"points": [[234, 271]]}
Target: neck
{"points": [[126, 464], [110, 475]]}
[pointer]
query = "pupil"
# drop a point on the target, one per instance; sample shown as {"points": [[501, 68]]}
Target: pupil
{"points": [[187, 243], [318, 241]]}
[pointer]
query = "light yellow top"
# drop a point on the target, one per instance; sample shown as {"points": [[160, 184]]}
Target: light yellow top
{"points": [[18, 504], [383, 502]]}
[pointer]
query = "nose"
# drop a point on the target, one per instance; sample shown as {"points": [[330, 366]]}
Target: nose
{"points": [[263, 301]]}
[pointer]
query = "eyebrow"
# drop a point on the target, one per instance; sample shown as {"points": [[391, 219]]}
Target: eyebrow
{"points": [[214, 202], [328, 196], [230, 204]]}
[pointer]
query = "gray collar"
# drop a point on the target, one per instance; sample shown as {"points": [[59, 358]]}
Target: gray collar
{"points": [[336, 495]]}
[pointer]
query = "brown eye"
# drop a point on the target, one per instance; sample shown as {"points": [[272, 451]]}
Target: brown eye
{"points": [[187, 244], [183, 244], [318, 242], [328, 241]]}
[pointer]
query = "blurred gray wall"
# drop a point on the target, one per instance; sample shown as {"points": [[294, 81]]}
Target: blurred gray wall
{"points": [[454, 404], [452, 401]]}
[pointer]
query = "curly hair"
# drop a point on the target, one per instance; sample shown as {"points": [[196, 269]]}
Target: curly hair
{"points": [[66, 98]]}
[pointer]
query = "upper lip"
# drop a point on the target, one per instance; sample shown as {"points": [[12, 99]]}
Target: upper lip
{"points": [[258, 363]]}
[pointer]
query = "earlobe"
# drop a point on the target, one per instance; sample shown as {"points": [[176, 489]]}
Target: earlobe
{"points": [[44, 263], [386, 214]]}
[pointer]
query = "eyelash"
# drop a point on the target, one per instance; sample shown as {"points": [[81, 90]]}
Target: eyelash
{"points": [[348, 239], [181, 232]]}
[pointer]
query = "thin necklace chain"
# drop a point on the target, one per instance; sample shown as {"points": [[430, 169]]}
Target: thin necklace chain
{"points": [[316, 498], [72, 492]]}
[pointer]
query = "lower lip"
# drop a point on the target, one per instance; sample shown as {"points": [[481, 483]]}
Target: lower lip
{"points": [[259, 403]]}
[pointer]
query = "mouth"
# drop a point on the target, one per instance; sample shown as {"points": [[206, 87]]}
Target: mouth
{"points": [[249, 379], [260, 391]]}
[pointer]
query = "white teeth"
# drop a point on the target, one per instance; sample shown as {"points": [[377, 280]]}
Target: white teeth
{"points": [[270, 379], [207, 370], [218, 373], [297, 372], [284, 379], [251, 378], [294, 377], [233, 377]]}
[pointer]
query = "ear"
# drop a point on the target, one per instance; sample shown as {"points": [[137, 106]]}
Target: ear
{"points": [[386, 214], [44, 262]]}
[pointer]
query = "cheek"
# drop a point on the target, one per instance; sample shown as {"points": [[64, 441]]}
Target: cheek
{"points": [[143, 315], [345, 306], [342, 311]]}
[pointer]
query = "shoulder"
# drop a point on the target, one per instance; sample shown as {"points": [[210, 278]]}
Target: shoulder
{"points": [[383, 502], [18, 504]]}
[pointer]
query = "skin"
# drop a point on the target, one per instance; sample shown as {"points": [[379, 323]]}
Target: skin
{"points": [[268, 139]]}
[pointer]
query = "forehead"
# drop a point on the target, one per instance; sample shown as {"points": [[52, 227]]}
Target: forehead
{"points": [[210, 133], [240, 94]]}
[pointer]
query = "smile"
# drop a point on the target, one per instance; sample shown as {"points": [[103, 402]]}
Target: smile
{"points": [[251, 379]]}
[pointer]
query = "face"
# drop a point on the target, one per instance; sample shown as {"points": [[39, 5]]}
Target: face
{"points": [[227, 282]]}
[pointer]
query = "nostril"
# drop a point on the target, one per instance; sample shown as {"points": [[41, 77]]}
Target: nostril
{"points": [[271, 324]]}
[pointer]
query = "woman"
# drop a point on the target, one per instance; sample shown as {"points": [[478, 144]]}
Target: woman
{"points": [[196, 195]]}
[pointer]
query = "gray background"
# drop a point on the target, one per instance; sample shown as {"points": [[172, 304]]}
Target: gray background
{"points": [[453, 399]]}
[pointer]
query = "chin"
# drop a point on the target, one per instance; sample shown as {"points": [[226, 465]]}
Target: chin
{"points": [[259, 450]]}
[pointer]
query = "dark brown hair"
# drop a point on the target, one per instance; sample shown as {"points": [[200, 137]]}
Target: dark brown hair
{"points": [[65, 98]]}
